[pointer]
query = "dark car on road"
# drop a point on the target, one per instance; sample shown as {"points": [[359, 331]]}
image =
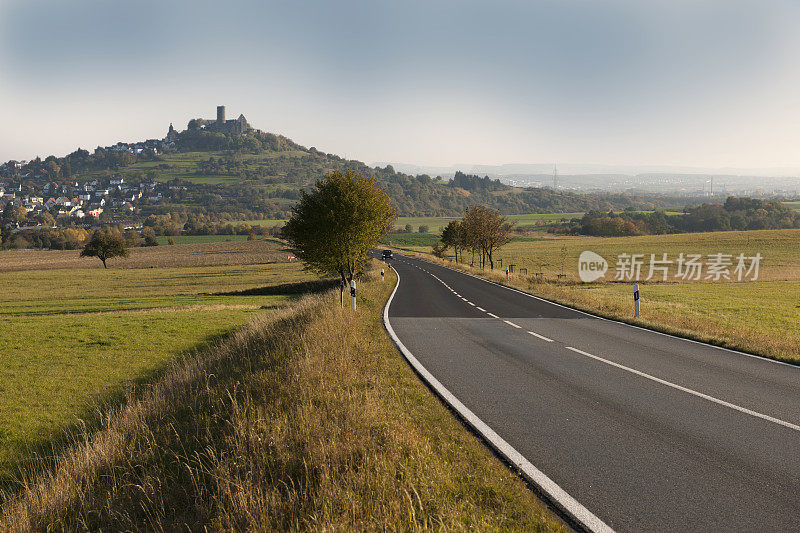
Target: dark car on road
{"points": [[387, 254]]}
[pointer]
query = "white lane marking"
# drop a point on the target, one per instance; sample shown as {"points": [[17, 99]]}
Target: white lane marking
{"points": [[592, 315], [540, 336], [512, 324], [690, 391], [463, 298], [569, 505], [492, 315], [472, 304], [481, 309]]}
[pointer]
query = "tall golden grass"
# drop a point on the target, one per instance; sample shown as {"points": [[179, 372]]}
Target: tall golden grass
{"points": [[305, 419]]}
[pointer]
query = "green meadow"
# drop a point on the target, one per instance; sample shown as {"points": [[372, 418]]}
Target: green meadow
{"points": [[436, 223], [184, 165], [74, 337]]}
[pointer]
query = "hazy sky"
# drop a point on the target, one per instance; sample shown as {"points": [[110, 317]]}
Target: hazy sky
{"points": [[436, 82]]}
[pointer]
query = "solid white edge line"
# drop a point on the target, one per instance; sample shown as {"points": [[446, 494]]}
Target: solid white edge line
{"points": [[540, 336], [701, 343], [558, 496], [690, 391], [512, 324]]}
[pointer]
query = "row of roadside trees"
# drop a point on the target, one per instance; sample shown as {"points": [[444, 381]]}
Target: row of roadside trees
{"points": [[481, 232]]}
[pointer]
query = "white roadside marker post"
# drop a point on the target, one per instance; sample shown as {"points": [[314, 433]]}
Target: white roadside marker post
{"points": [[353, 294], [636, 300], [506, 273], [381, 274]]}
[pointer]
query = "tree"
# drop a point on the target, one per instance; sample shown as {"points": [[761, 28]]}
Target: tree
{"points": [[105, 244], [486, 231], [149, 236], [453, 235], [333, 227], [14, 214], [47, 219]]}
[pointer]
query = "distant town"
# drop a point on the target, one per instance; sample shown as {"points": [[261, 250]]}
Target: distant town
{"points": [[39, 186]]}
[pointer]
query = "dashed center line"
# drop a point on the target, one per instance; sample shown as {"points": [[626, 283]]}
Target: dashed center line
{"points": [[540, 336], [479, 308]]}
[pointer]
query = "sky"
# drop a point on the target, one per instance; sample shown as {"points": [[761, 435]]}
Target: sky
{"points": [[698, 83]]}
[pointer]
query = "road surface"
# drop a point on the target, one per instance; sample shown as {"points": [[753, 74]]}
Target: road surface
{"points": [[648, 432]]}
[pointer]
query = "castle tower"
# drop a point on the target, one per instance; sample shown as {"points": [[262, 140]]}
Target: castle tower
{"points": [[220, 115]]}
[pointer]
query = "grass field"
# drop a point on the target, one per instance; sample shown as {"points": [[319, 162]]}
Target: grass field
{"points": [[306, 419], [73, 335], [411, 239], [267, 223], [436, 223], [793, 205], [756, 316], [242, 252], [196, 239]]}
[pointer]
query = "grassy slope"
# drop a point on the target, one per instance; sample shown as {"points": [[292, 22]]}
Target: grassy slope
{"points": [[754, 316], [184, 165], [73, 336], [326, 428]]}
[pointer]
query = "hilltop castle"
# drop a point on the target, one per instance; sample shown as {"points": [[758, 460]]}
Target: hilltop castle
{"points": [[233, 127], [236, 127]]}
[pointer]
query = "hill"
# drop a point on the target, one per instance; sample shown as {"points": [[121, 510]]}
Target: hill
{"points": [[251, 174]]}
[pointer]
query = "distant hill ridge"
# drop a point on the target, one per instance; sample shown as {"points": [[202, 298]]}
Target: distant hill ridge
{"points": [[227, 168]]}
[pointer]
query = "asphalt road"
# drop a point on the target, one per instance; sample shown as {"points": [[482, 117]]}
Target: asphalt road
{"points": [[649, 432]]}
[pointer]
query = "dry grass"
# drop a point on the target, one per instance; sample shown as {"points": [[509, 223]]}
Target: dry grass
{"points": [[306, 419], [780, 250], [179, 255]]}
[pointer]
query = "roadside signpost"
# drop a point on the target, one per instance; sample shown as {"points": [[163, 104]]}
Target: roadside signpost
{"points": [[353, 294], [636, 300]]}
